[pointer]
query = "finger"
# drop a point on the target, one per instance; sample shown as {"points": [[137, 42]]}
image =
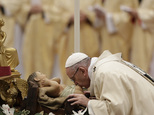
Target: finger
{"points": [[75, 103], [70, 96], [73, 95], [72, 99]]}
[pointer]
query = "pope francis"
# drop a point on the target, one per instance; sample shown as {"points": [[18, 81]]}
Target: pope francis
{"points": [[120, 87]]}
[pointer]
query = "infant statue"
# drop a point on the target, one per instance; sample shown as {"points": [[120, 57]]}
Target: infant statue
{"points": [[52, 94]]}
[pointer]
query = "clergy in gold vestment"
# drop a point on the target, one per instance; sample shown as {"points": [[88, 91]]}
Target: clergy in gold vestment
{"points": [[143, 36], [8, 11], [117, 28], [40, 31], [152, 67], [88, 36]]}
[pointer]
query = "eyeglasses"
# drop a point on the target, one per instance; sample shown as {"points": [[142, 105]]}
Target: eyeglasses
{"points": [[73, 77]]}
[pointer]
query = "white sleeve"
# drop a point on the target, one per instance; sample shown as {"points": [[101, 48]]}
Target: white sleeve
{"points": [[90, 111], [110, 24]]}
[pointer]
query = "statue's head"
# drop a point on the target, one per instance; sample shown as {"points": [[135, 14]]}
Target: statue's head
{"points": [[36, 78], [31, 80]]}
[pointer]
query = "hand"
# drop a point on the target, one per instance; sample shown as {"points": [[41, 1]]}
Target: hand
{"points": [[36, 9], [78, 99], [100, 14], [83, 17], [134, 14], [87, 94], [71, 19], [42, 94]]}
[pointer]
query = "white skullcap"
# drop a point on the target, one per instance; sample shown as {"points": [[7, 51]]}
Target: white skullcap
{"points": [[75, 58]]}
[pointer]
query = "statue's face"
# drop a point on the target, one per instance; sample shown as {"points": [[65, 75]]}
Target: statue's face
{"points": [[40, 76]]}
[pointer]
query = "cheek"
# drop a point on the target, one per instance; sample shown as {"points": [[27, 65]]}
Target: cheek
{"points": [[81, 81], [86, 83]]}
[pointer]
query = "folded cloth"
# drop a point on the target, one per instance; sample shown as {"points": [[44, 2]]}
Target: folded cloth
{"points": [[56, 102], [5, 71]]}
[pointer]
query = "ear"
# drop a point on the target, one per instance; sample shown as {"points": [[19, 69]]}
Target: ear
{"points": [[36, 79], [83, 70]]}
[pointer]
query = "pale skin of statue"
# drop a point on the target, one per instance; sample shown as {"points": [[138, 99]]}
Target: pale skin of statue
{"points": [[52, 87]]}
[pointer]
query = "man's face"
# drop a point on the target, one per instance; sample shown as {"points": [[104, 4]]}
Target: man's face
{"points": [[79, 76]]}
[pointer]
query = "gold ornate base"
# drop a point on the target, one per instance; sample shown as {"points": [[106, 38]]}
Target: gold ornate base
{"points": [[13, 88], [14, 74]]}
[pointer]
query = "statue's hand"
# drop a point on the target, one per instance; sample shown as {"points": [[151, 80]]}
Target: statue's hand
{"points": [[42, 95], [45, 82]]}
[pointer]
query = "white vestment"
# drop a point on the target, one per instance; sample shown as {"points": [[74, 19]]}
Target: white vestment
{"points": [[119, 89]]}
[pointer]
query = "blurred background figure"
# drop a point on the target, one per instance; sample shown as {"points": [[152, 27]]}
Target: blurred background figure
{"points": [[143, 35], [117, 26], [152, 67], [9, 13], [40, 33], [152, 62], [89, 41]]}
